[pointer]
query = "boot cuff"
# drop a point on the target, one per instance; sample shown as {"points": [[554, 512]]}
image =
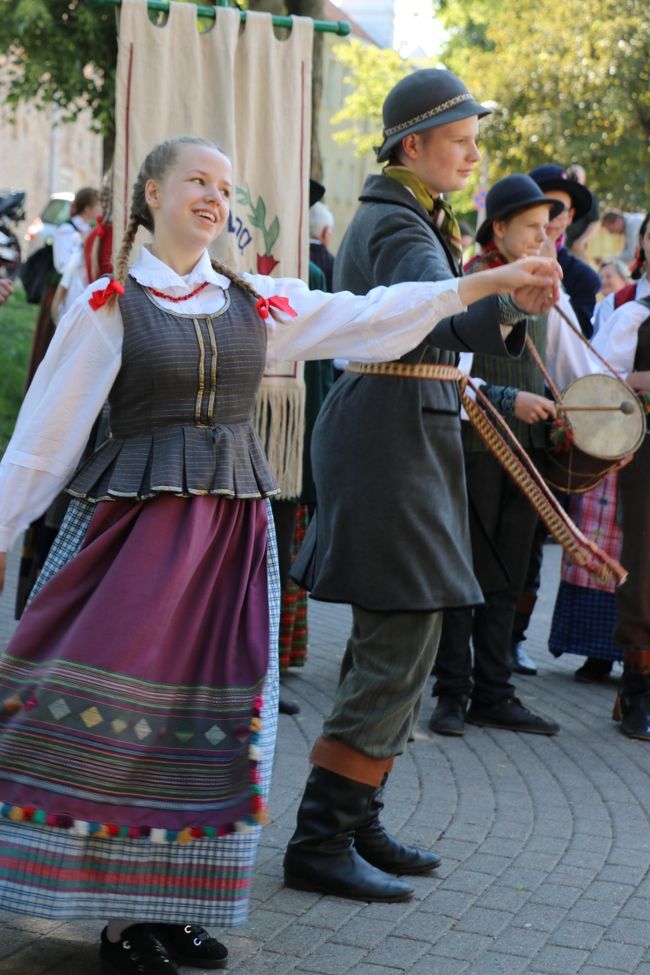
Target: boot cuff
{"points": [[336, 756]]}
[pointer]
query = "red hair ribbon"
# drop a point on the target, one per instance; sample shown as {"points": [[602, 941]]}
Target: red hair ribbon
{"points": [[264, 305], [100, 229], [99, 298]]}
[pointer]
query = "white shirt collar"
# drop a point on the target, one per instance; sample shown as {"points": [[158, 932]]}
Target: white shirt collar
{"points": [[151, 272]]}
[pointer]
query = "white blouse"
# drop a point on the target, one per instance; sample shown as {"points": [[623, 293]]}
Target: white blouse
{"points": [[74, 379], [606, 306], [616, 339]]}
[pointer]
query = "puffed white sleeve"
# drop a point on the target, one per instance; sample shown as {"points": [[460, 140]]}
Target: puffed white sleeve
{"points": [[63, 401], [66, 238], [567, 356], [382, 325], [617, 339]]}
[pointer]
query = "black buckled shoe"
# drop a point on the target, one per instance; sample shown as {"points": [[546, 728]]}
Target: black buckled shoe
{"points": [[376, 845], [192, 945], [511, 715], [138, 952], [448, 717]]}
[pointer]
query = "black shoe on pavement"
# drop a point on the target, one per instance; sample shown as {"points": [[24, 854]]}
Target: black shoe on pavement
{"points": [[448, 717], [511, 715], [522, 663], [138, 952], [190, 944], [593, 671], [288, 707], [635, 715]]}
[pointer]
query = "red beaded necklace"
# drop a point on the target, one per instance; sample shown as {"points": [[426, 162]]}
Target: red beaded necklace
{"points": [[161, 294]]}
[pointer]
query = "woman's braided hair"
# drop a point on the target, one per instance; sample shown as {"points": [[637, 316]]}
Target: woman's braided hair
{"points": [[155, 166]]}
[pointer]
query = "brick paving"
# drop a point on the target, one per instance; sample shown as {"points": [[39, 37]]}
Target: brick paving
{"points": [[546, 845]]}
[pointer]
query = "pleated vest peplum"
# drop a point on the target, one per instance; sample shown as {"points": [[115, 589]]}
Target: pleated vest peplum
{"points": [[181, 407]]}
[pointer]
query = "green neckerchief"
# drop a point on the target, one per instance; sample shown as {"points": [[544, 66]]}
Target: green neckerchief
{"points": [[441, 212]]}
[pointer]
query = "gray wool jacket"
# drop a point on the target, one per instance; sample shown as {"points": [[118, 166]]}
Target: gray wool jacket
{"points": [[390, 532]]}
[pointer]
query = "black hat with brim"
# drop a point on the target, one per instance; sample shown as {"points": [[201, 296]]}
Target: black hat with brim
{"points": [[423, 100], [511, 195], [316, 191], [550, 176]]}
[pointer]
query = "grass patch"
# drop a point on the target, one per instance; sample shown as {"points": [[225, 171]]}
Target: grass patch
{"points": [[17, 320]]}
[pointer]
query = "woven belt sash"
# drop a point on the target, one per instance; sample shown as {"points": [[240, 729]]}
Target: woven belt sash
{"points": [[502, 443]]}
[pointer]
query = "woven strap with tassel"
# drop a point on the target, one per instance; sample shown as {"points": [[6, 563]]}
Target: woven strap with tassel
{"points": [[502, 443]]}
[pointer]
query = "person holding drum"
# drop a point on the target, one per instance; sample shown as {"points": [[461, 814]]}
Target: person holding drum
{"points": [[502, 521], [624, 341]]}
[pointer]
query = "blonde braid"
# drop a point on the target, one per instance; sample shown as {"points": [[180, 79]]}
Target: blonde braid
{"points": [[122, 259], [243, 284]]}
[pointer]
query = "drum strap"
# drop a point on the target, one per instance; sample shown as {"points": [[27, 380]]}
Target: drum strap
{"points": [[502, 443]]}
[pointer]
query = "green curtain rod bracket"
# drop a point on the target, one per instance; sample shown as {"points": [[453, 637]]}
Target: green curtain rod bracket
{"points": [[340, 27]]}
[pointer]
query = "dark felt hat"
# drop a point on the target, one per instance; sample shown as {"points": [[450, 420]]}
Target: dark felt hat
{"points": [[316, 191], [421, 100], [550, 176], [511, 195]]}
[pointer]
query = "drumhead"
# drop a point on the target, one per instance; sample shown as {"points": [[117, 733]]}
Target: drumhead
{"points": [[610, 434]]}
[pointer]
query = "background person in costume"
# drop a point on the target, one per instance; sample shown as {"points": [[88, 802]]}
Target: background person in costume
{"points": [[502, 520], [624, 341], [580, 281], [154, 744], [390, 532]]}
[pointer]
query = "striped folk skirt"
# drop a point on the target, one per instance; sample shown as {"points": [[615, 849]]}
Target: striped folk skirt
{"points": [[137, 717]]}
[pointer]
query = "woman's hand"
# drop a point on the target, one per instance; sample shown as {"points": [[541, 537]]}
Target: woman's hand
{"points": [[534, 283], [3, 567], [530, 407]]}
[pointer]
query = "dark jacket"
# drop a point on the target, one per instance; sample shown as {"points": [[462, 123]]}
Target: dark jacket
{"points": [[582, 284], [390, 532]]}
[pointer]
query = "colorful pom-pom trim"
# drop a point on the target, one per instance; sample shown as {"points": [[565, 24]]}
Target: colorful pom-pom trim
{"points": [[258, 815], [560, 436]]}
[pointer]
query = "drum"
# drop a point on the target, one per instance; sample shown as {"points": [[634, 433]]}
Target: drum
{"points": [[607, 424]]}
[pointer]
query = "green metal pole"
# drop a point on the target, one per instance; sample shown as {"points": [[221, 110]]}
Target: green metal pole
{"points": [[339, 27]]}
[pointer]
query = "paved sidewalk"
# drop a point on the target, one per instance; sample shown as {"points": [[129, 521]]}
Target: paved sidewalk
{"points": [[546, 845]]}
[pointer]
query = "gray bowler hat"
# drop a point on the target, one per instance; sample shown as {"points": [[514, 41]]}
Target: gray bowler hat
{"points": [[421, 100]]}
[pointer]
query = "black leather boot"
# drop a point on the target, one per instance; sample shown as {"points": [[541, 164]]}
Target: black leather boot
{"points": [[634, 697], [375, 844], [321, 855]]}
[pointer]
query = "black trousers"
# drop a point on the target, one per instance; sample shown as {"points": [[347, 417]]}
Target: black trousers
{"points": [[502, 525]]}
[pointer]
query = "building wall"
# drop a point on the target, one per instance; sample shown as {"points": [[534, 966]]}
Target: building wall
{"points": [[40, 158], [344, 173]]}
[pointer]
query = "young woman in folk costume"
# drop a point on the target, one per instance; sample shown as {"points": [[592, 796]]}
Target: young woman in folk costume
{"points": [[623, 339], [136, 727]]}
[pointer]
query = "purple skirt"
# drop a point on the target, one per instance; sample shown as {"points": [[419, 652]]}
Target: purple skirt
{"points": [[130, 692]]}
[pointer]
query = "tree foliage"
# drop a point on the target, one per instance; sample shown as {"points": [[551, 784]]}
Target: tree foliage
{"points": [[571, 81], [370, 73], [60, 52]]}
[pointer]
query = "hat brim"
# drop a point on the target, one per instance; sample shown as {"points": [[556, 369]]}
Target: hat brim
{"points": [[316, 191], [455, 114], [484, 233], [581, 197]]}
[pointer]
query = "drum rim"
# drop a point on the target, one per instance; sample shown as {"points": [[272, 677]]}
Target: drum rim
{"points": [[639, 408]]}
